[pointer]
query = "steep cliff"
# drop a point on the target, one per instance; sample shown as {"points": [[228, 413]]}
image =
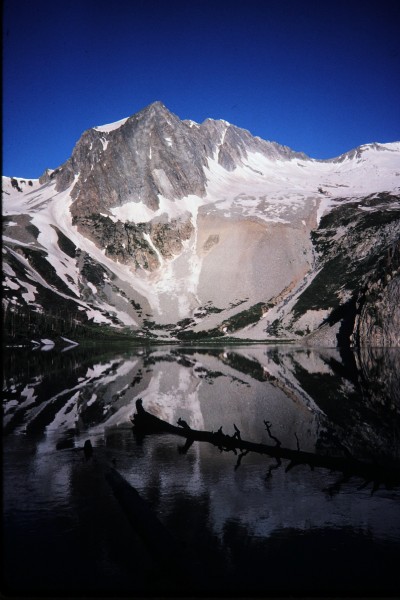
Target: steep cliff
{"points": [[358, 275], [378, 321]]}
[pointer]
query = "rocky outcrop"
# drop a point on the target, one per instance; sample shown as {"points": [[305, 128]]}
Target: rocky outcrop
{"points": [[153, 153], [357, 283], [139, 245], [378, 321]]}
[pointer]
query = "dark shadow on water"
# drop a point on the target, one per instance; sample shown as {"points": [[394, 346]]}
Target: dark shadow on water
{"points": [[316, 562]]}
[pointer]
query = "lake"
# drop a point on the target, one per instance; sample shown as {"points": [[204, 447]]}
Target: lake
{"points": [[232, 522]]}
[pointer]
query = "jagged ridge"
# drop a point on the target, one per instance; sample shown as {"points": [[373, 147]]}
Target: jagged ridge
{"points": [[172, 229]]}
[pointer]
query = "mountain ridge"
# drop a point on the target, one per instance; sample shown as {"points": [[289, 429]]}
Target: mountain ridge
{"points": [[178, 230]]}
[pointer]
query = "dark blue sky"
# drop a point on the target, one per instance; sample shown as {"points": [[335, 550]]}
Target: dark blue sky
{"points": [[320, 76]]}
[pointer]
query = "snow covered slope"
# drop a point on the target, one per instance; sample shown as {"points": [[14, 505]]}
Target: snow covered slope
{"points": [[171, 229]]}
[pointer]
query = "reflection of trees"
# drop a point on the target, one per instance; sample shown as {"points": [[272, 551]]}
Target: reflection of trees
{"points": [[356, 392], [377, 473], [359, 399], [379, 380], [359, 391], [380, 375], [41, 386]]}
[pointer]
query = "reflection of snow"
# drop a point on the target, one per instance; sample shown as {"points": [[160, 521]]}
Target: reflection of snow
{"points": [[102, 370], [173, 393], [67, 416], [312, 362], [229, 386]]}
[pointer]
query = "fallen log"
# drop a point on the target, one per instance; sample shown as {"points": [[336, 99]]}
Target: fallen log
{"points": [[379, 473]]}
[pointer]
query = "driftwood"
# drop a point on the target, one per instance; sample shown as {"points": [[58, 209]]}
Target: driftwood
{"points": [[371, 472]]}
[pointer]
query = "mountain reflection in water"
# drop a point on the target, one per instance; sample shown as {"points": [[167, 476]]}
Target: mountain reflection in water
{"points": [[249, 529]]}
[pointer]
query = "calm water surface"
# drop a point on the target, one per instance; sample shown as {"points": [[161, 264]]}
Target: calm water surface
{"points": [[247, 525]]}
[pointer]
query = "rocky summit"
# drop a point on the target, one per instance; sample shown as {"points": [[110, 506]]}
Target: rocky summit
{"points": [[167, 229]]}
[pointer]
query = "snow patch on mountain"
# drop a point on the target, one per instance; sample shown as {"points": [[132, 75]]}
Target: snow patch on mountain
{"points": [[252, 215], [111, 126]]}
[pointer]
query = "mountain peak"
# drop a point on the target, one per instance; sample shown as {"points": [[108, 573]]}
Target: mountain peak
{"points": [[156, 108], [180, 230], [157, 104]]}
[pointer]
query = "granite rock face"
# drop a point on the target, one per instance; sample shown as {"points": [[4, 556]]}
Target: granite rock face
{"points": [[378, 321], [178, 230], [152, 153], [138, 245]]}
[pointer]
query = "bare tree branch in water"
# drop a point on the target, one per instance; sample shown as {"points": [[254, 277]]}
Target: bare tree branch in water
{"points": [[378, 473], [273, 467], [268, 428], [239, 460]]}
